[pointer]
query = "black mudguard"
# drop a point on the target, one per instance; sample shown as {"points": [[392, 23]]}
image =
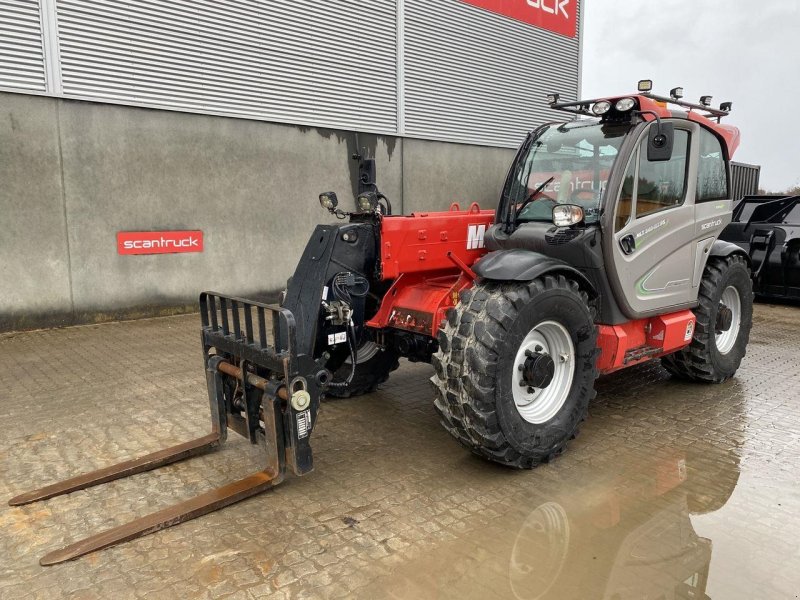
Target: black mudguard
{"points": [[722, 249], [524, 265]]}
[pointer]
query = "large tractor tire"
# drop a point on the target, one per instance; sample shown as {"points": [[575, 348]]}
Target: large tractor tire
{"points": [[373, 366], [516, 369], [724, 318]]}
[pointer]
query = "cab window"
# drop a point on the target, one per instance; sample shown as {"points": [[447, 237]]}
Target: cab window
{"points": [[625, 206], [712, 176], [662, 185]]}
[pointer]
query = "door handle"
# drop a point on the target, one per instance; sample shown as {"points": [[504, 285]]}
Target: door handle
{"points": [[628, 244]]}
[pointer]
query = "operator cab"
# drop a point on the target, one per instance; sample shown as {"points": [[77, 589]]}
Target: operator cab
{"points": [[632, 193]]}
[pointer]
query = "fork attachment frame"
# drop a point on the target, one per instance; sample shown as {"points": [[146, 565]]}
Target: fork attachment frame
{"points": [[256, 388]]}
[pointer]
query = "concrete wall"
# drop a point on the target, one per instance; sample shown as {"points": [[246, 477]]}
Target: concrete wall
{"points": [[73, 174]]}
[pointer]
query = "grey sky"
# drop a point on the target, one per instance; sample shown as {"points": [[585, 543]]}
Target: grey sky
{"points": [[743, 51]]}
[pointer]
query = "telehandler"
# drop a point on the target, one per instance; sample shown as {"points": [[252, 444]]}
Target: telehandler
{"points": [[602, 254]]}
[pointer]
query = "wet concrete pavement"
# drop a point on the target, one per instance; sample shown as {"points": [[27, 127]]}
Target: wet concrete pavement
{"points": [[672, 489]]}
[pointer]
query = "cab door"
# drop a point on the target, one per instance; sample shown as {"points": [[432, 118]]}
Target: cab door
{"points": [[654, 230]]}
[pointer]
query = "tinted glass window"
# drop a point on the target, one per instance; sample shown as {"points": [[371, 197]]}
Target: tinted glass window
{"points": [[712, 178], [625, 206], [662, 185]]}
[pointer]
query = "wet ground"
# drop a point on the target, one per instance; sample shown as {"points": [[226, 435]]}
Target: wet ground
{"points": [[671, 491]]}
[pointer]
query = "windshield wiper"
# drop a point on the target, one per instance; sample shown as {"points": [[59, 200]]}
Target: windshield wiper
{"points": [[515, 218]]}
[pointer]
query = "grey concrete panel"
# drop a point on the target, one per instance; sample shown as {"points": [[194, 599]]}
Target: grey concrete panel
{"points": [[438, 173], [34, 258], [93, 170], [251, 187]]}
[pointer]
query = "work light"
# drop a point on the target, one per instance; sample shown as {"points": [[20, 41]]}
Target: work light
{"points": [[726, 106], [625, 104], [601, 108], [645, 85], [328, 200], [705, 100], [553, 98], [565, 215], [676, 93], [367, 201]]}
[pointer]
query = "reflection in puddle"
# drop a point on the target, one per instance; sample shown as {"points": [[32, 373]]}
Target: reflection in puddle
{"points": [[614, 524], [632, 539]]}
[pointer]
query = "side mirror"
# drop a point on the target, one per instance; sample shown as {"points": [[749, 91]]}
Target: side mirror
{"points": [[660, 139], [566, 215]]}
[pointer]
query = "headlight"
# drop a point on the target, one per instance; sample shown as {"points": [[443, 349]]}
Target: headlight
{"points": [[625, 104], [328, 201], [565, 215], [601, 108], [367, 202]]}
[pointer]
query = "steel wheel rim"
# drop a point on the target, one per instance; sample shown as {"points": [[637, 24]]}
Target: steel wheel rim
{"points": [[727, 339], [543, 404]]}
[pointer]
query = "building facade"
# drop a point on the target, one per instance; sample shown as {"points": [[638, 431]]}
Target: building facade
{"points": [[229, 117]]}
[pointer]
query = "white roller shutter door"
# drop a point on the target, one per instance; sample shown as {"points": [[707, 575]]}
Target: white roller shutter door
{"points": [[478, 77], [293, 61], [21, 53]]}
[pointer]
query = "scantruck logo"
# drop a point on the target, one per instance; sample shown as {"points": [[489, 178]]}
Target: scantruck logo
{"points": [[558, 16], [159, 242]]}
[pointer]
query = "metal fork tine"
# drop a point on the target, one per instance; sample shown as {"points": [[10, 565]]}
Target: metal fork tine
{"points": [[124, 469], [178, 513]]}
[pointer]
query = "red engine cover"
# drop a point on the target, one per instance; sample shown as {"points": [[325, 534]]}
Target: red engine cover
{"points": [[428, 256], [422, 242]]}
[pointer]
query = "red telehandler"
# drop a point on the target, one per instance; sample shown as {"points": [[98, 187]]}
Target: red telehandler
{"points": [[602, 254]]}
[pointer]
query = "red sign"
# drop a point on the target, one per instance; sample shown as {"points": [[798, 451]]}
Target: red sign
{"points": [[559, 16], [159, 242]]}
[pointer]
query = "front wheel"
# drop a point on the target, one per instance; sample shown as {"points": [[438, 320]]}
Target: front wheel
{"points": [[516, 368], [724, 317]]}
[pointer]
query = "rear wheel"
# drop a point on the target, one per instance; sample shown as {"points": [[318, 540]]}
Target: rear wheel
{"points": [[374, 363], [724, 317], [516, 368]]}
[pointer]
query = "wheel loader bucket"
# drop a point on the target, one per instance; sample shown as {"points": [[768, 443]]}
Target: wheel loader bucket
{"points": [[768, 229]]}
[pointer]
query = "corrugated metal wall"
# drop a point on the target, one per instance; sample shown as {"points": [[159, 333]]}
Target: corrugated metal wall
{"points": [[478, 77], [21, 53], [294, 61], [745, 179], [435, 70]]}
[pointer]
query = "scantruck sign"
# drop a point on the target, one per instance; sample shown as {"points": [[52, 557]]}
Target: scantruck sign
{"points": [[159, 242], [559, 16]]}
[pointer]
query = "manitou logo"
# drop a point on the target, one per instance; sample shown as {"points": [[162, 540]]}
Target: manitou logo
{"points": [[475, 237], [159, 242], [558, 16]]}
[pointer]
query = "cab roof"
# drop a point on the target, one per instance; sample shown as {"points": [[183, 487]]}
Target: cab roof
{"points": [[647, 106]]}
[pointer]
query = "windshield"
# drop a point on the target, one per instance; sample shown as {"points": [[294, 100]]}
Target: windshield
{"points": [[577, 157]]}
